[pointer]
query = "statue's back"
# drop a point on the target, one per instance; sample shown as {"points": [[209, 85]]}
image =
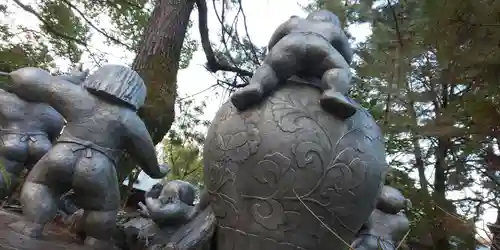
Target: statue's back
{"points": [[275, 171]]}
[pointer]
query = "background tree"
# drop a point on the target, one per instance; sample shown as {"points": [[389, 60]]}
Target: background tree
{"points": [[434, 66], [183, 145], [154, 30]]}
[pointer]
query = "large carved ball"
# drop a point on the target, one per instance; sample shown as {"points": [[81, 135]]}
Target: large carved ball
{"points": [[281, 173]]}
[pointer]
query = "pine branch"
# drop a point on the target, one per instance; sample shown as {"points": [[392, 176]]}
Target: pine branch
{"points": [[49, 28], [100, 31], [396, 24], [252, 49], [212, 64]]}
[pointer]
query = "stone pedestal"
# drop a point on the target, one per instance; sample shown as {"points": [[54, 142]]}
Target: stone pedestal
{"points": [[142, 234], [55, 238]]}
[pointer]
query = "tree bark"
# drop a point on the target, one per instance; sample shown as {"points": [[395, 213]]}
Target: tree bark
{"points": [[440, 232], [157, 61]]}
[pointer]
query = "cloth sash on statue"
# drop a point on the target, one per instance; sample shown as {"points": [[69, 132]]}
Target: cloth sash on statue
{"points": [[25, 135], [88, 147]]}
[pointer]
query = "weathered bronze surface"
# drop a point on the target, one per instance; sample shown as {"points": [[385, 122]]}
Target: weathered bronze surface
{"points": [[315, 46], [27, 130], [101, 123], [170, 204], [387, 225], [276, 170]]}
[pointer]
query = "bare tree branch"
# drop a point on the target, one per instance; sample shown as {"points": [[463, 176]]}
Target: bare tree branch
{"points": [[252, 49], [221, 20], [212, 64], [100, 31]]}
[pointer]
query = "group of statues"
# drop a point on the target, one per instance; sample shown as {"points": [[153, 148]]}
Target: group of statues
{"points": [[69, 131], [101, 121]]}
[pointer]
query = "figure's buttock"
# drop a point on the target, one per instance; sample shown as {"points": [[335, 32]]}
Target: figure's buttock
{"points": [[308, 48], [90, 148], [24, 146]]}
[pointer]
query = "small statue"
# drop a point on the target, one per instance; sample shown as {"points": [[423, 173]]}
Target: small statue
{"points": [[386, 226], [313, 47], [101, 122], [27, 130], [170, 204]]}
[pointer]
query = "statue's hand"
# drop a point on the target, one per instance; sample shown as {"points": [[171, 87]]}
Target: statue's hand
{"points": [[143, 210], [164, 169]]}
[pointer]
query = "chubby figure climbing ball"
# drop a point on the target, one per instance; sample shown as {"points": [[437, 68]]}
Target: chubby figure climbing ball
{"points": [[315, 46]]}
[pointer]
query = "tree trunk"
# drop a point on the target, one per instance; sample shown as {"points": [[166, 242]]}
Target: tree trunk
{"points": [[157, 61], [440, 231]]}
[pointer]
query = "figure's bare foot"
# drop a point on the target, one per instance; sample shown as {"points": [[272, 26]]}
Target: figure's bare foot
{"points": [[337, 104], [247, 97], [29, 229]]}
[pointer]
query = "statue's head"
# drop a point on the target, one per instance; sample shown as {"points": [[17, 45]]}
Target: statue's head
{"points": [[391, 200], [178, 190], [119, 83], [324, 16]]}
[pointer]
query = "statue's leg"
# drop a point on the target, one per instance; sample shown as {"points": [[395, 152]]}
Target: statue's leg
{"points": [[282, 62], [333, 100], [96, 187], [337, 77], [45, 183], [38, 146], [99, 227]]}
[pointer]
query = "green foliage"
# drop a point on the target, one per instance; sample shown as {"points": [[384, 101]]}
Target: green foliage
{"points": [[20, 48], [5, 176], [189, 46], [428, 73], [59, 17], [182, 146], [67, 29]]}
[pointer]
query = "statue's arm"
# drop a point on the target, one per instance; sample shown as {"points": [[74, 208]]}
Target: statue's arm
{"points": [[35, 84], [282, 30], [56, 128], [140, 146], [152, 204], [9, 101]]}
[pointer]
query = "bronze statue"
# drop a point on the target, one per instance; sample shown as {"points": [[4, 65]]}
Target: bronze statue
{"points": [[170, 204], [27, 130], [312, 47], [101, 122], [277, 171], [386, 225]]}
